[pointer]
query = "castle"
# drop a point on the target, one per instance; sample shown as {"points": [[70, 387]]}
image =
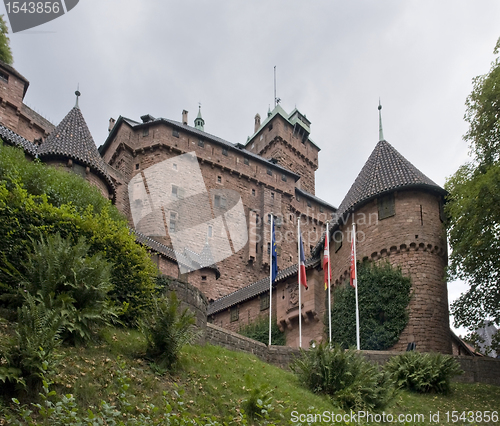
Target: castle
{"points": [[147, 168]]}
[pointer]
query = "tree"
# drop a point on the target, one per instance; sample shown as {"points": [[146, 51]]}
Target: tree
{"points": [[473, 206], [5, 52]]}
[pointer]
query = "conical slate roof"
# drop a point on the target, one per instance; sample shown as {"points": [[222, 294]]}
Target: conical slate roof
{"points": [[72, 139], [385, 170]]}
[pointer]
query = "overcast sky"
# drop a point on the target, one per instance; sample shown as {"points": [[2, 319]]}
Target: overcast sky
{"points": [[334, 60]]}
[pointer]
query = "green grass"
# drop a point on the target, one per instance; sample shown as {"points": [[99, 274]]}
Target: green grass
{"points": [[216, 382]]}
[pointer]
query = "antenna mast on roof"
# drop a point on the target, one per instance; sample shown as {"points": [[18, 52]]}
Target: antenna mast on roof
{"points": [[276, 99]]}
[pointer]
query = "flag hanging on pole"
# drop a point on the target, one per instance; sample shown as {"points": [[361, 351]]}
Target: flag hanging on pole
{"points": [[326, 260], [302, 265], [273, 272], [274, 255], [353, 263]]}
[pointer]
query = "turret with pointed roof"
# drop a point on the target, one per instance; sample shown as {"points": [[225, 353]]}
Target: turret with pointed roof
{"points": [[385, 170], [72, 140]]}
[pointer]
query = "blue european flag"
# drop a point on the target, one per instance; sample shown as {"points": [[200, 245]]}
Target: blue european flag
{"points": [[274, 256]]}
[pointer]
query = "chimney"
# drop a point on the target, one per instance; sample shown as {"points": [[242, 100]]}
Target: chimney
{"points": [[112, 122], [184, 117], [257, 122]]}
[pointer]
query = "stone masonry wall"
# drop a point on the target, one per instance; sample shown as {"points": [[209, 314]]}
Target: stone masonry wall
{"points": [[133, 151], [412, 239]]}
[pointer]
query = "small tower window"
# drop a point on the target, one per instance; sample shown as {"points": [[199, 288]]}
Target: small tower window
{"points": [[386, 207], [253, 192], [219, 179]]}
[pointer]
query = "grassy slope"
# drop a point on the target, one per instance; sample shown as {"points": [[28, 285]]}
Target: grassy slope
{"points": [[217, 381]]}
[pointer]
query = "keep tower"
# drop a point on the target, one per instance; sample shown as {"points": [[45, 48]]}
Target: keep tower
{"points": [[284, 139]]}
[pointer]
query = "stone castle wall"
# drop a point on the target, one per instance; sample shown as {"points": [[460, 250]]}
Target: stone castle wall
{"points": [[133, 151], [413, 239]]}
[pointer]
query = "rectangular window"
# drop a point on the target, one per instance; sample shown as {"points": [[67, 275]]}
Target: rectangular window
{"points": [[246, 161], [219, 201], [175, 133], [269, 218], [203, 277], [269, 171], [175, 191], [219, 179], [272, 195], [4, 76], [264, 301], [253, 192], [209, 231], [137, 166], [145, 131], [174, 166], [321, 209], [201, 143], [283, 177], [224, 151], [268, 248], [337, 240], [308, 203], [386, 207], [235, 313]]}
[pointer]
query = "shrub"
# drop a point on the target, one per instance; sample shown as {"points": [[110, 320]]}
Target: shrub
{"points": [[353, 382], [259, 330], [423, 372], [384, 294], [30, 353], [37, 200], [167, 329], [65, 278]]}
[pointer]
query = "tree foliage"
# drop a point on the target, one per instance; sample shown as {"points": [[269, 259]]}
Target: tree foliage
{"points": [[473, 206], [384, 294], [5, 52], [37, 200]]}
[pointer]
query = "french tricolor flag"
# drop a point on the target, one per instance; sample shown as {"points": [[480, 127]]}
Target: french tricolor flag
{"points": [[302, 265]]}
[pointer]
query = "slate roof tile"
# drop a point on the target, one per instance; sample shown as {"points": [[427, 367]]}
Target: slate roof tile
{"points": [[72, 139]]}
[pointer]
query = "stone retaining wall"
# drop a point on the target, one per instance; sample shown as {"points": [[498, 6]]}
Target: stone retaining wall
{"points": [[476, 369]]}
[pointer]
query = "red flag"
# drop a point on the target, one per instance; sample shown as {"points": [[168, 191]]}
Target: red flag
{"points": [[353, 263], [302, 265], [326, 261]]}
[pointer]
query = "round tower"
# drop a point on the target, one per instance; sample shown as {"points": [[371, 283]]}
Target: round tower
{"points": [[398, 216], [71, 144]]}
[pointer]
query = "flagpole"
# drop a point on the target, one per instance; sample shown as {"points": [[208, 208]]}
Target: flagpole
{"points": [[356, 285], [271, 278], [327, 236], [300, 290]]}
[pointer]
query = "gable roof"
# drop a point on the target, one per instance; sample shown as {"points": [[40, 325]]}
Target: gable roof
{"points": [[385, 170], [150, 120], [72, 139], [258, 287]]}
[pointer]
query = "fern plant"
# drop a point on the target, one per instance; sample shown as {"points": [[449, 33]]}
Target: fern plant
{"points": [[353, 382], [64, 277], [30, 353], [167, 329], [423, 372]]}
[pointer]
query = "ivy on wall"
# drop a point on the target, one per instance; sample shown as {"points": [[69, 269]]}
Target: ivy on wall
{"points": [[383, 293], [259, 330]]}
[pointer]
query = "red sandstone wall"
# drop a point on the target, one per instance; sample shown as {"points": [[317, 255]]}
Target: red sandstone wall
{"points": [[132, 152], [414, 240]]}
